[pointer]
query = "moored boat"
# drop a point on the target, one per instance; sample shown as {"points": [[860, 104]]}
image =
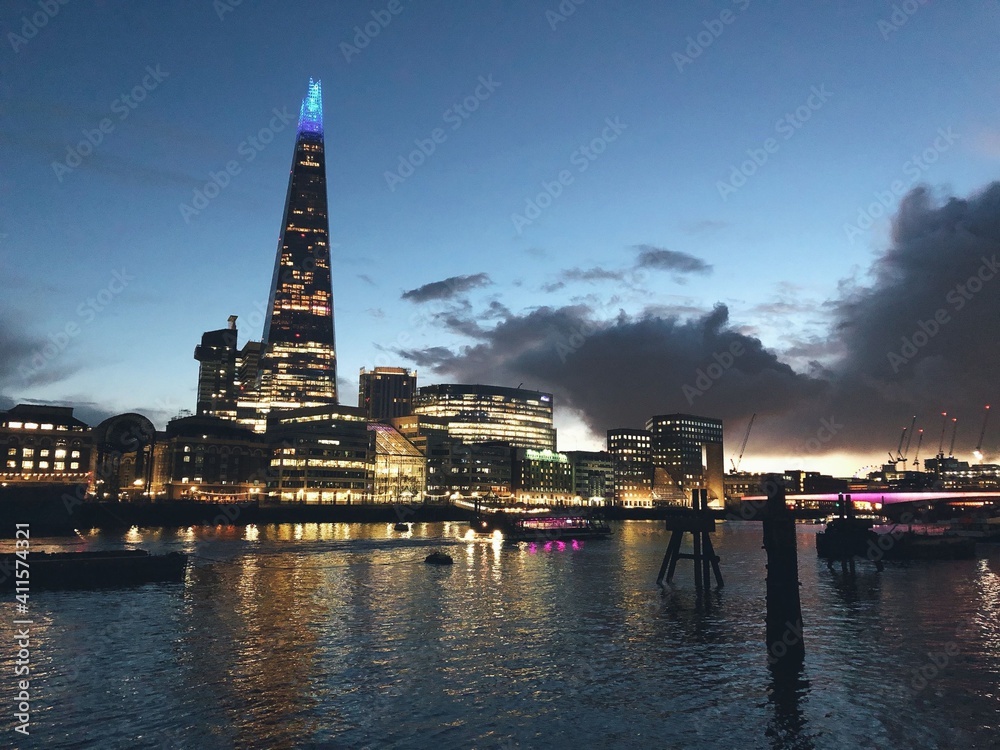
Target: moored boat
{"points": [[86, 570]]}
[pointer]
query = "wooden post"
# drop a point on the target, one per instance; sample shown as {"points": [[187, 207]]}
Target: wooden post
{"points": [[699, 522], [785, 643]]}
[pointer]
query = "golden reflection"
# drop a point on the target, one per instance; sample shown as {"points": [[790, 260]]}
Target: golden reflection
{"points": [[251, 533]]}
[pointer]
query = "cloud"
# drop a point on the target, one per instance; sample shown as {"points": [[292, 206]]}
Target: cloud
{"points": [[447, 289], [670, 260], [920, 334]]}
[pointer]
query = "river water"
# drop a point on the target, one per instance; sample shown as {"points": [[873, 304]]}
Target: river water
{"points": [[339, 636]]}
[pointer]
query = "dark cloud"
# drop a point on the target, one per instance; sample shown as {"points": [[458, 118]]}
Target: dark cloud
{"points": [[448, 288], [670, 260], [619, 372], [28, 359]]}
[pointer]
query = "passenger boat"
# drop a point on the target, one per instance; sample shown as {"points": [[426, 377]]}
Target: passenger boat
{"points": [[86, 570], [541, 528]]}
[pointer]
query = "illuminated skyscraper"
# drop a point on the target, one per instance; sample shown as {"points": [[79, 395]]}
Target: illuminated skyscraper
{"points": [[299, 364]]}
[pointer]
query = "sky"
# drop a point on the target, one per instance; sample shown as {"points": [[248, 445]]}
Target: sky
{"points": [[719, 208]]}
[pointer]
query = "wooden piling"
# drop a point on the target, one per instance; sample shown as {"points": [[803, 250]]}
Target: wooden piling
{"points": [[785, 642]]}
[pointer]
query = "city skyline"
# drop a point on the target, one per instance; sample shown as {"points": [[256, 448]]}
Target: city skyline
{"points": [[619, 312]]}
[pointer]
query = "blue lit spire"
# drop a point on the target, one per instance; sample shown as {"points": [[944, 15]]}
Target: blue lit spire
{"points": [[311, 114]]}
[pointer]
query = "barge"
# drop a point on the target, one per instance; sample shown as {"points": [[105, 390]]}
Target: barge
{"points": [[89, 570]]}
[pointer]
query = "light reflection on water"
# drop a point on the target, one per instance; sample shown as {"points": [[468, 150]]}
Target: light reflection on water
{"points": [[330, 635]]}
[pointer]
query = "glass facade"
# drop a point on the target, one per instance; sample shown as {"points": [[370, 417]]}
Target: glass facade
{"points": [[486, 413], [299, 365]]}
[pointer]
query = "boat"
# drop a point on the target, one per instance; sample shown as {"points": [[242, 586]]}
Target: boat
{"points": [[401, 527], [438, 558], [845, 538], [541, 528], [87, 570]]}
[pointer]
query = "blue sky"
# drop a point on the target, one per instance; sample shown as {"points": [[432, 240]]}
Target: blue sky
{"points": [[779, 237]]}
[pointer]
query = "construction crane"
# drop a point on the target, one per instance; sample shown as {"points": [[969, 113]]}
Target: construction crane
{"points": [[916, 457], [954, 431], [944, 425], [910, 437], [743, 445], [896, 457], [982, 433]]}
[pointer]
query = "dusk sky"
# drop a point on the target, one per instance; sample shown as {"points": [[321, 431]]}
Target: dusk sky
{"points": [[656, 257]]}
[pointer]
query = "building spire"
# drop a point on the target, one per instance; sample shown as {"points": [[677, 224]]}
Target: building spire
{"points": [[311, 114]]}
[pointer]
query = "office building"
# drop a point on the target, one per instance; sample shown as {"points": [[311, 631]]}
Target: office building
{"points": [[593, 476], [689, 449], [217, 372], [299, 362], [386, 392], [542, 477], [632, 467], [323, 454], [45, 445], [488, 413]]}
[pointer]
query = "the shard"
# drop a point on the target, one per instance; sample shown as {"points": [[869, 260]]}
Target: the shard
{"points": [[299, 365]]}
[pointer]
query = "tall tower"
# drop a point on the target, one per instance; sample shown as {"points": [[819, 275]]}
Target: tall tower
{"points": [[299, 364]]}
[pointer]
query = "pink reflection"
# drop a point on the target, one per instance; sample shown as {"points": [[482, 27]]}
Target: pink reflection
{"points": [[561, 546], [532, 549], [576, 544]]}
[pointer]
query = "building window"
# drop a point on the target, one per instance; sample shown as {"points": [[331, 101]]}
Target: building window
{"points": [[12, 464], [74, 465], [27, 465], [74, 454], [60, 466], [44, 453], [60, 453], [43, 464]]}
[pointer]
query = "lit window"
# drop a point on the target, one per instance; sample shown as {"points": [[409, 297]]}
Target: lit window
{"points": [[43, 464], [60, 453], [44, 452], [59, 466], [74, 454], [12, 464], [15, 425], [29, 452], [74, 465], [26, 465]]}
